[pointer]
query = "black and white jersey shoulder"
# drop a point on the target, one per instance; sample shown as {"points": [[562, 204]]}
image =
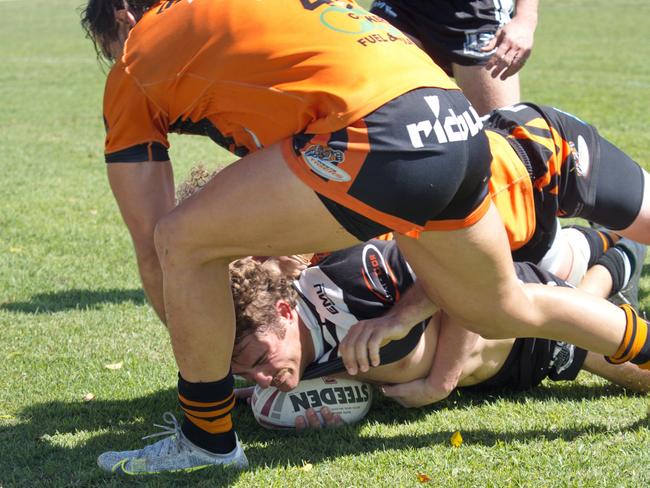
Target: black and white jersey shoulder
{"points": [[353, 284]]}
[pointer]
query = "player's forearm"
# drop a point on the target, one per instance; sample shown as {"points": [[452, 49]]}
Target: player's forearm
{"points": [[413, 307], [526, 10], [455, 345]]}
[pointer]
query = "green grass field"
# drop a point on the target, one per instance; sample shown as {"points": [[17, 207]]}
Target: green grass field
{"points": [[71, 303]]}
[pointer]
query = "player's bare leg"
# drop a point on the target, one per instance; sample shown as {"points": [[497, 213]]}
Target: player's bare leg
{"points": [[469, 273], [255, 206], [485, 92], [626, 375]]}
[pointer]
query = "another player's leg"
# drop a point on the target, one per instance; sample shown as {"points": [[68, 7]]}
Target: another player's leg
{"points": [[485, 92], [474, 262], [626, 375], [255, 206], [639, 229]]}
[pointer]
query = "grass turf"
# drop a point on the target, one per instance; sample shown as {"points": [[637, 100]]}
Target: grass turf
{"points": [[71, 303]]}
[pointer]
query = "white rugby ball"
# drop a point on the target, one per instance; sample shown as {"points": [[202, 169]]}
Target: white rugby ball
{"points": [[275, 409]]}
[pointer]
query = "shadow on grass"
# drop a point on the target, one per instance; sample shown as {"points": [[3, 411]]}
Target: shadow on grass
{"points": [[74, 300], [44, 451]]}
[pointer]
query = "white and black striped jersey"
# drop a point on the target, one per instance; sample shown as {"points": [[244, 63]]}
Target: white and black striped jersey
{"points": [[365, 281], [346, 286]]}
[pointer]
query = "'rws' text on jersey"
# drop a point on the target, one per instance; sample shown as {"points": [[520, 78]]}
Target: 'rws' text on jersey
{"points": [[358, 283]]}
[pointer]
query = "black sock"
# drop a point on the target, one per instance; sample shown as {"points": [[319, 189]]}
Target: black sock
{"points": [[207, 407]]}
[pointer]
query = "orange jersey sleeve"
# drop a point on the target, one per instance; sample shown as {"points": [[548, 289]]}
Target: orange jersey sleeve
{"points": [[249, 74], [136, 130]]}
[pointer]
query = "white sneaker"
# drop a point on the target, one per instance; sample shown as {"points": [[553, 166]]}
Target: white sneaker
{"points": [[174, 453]]}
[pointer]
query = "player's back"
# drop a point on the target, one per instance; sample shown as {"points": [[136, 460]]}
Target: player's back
{"points": [[275, 67]]}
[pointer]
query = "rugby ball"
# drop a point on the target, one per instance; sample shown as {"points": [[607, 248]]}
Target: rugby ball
{"points": [[275, 409]]}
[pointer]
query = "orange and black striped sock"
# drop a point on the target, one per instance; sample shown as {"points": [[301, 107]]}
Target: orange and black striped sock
{"points": [[635, 346], [207, 407]]}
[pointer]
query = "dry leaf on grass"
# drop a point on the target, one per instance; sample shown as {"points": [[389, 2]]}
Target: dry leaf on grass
{"points": [[456, 439], [423, 478]]}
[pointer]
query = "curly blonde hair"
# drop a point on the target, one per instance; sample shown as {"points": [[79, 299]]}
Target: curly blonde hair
{"points": [[198, 178], [255, 291]]}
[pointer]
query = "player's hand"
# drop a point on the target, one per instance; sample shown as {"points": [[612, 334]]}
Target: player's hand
{"points": [[416, 393], [360, 347], [311, 420], [244, 395], [513, 43]]}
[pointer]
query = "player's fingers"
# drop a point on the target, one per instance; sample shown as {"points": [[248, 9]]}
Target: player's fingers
{"points": [[361, 348], [330, 419], [347, 348], [492, 43], [516, 64], [312, 419], [374, 345], [501, 62], [300, 423]]}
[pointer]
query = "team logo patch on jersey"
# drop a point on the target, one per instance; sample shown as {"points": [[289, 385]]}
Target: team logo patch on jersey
{"points": [[475, 42], [324, 162], [563, 354], [378, 276], [581, 155]]}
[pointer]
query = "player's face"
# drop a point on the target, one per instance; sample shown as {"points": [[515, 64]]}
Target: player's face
{"points": [[270, 360]]}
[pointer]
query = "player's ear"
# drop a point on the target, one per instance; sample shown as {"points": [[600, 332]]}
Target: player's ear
{"points": [[284, 309], [123, 16]]}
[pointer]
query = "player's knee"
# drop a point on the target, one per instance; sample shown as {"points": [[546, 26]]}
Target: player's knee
{"points": [[174, 245]]}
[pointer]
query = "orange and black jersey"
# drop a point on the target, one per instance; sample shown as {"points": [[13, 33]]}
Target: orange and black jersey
{"points": [[249, 74], [543, 160]]}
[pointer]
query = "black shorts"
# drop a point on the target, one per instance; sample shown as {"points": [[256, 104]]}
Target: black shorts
{"points": [[575, 172], [451, 31], [532, 360], [419, 162]]}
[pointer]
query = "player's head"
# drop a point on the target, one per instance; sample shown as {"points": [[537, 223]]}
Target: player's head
{"points": [[289, 266], [107, 23], [267, 339]]}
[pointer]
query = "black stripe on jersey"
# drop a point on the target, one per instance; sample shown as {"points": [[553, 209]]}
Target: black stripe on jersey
{"points": [[391, 352], [327, 347], [149, 151]]}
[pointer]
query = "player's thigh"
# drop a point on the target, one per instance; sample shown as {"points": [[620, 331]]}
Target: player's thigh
{"points": [[255, 206], [600, 182], [469, 273], [486, 93], [639, 229]]}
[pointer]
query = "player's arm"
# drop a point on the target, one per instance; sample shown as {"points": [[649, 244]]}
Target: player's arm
{"points": [[144, 193], [139, 171], [455, 344], [513, 41], [411, 309]]}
